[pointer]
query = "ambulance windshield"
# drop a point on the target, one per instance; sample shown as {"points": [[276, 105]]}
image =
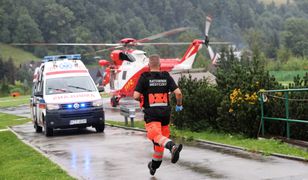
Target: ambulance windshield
{"points": [[69, 85]]}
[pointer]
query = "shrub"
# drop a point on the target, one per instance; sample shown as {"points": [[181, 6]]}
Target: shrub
{"points": [[233, 106], [200, 101], [239, 81]]}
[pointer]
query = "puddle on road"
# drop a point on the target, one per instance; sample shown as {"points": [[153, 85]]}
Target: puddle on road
{"points": [[201, 169], [59, 153]]}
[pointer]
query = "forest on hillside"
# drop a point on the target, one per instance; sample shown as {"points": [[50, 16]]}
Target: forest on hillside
{"points": [[245, 23]]}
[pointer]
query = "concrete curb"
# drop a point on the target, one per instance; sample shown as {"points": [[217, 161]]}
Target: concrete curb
{"points": [[43, 153], [225, 145], [125, 127], [259, 152]]}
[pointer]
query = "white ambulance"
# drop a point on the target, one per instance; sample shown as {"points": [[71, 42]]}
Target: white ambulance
{"points": [[65, 96]]}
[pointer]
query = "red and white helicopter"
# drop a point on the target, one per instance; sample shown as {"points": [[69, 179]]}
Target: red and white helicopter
{"points": [[122, 73]]}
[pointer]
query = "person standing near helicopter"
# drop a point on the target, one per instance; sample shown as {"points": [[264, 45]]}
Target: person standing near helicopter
{"points": [[153, 89]]}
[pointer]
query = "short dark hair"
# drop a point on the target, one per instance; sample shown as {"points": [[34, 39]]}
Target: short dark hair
{"points": [[154, 61]]}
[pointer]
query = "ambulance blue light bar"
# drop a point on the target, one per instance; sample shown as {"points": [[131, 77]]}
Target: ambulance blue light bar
{"points": [[59, 57]]}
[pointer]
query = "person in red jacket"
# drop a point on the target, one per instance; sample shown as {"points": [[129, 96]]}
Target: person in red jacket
{"points": [[153, 88]]}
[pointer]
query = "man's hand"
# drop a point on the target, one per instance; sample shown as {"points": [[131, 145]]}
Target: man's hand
{"points": [[178, 108]]}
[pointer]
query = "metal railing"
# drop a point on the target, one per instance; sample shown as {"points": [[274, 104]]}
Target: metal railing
{"points": [[128, 112], [263, 98]]}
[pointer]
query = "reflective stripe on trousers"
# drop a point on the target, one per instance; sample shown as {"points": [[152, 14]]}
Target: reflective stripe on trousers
{"points": [[160, 136]]}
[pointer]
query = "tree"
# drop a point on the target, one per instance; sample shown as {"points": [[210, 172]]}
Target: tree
{"points": [[254, 39], [9, 71], [56, 23], [1, 69], [295, 36], [4, 31], [283, 54], [27, 30]]}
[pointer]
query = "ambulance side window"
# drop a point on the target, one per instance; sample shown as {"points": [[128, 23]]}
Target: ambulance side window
{"points": [[39, 88], [34, 88]]}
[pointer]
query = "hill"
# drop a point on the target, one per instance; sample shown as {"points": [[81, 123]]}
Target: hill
{"points": [[19, 56], [277, 2]]}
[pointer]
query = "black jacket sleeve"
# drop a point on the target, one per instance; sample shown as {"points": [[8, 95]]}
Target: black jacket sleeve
{"points": [[171, 83], [140, 87]]}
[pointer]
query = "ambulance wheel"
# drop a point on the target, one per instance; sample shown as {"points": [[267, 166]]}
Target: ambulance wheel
{"points": [[114, 101], [38, 129], [100, 128], [47, 130]]}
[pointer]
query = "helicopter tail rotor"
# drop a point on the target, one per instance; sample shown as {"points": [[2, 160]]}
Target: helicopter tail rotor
{"points": [[213, 56]]}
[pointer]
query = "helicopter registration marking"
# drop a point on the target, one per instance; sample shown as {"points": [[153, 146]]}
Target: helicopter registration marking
{"points": [[129, 84]]}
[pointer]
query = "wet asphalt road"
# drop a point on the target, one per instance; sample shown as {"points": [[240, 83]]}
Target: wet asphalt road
{"points": [[123, 154]]}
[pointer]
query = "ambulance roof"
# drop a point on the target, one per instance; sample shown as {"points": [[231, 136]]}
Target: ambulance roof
{"points": [[64, 65]]}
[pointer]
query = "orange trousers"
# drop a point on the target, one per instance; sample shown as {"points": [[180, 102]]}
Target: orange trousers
{"points": [[160, 136]]}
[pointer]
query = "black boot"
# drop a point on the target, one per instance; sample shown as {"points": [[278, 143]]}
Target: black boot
{"points": [[153, 165], [175, 152], [152, 170]]}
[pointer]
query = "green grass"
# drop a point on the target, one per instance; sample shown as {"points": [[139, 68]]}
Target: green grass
{"points": [[137, 124], [19, 161], [287, 76], [19, 56], [267, 146], [293, 64], [14, 101], [11, 120]]}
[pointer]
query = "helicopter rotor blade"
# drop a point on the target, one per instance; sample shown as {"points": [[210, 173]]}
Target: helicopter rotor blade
{"points": [[178, 43], [65, 44], [110, 49], [207, 25], [163, 34], [214, 56]]}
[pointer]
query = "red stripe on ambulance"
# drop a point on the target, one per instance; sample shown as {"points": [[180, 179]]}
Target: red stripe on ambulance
{"points": [[64, 72]]}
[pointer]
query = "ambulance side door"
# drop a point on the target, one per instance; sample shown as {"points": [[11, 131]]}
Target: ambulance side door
{"points": [[38, 96], [33, 103]]}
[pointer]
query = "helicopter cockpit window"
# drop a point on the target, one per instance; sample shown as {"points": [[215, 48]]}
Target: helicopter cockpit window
{"points": [[127, 57]]}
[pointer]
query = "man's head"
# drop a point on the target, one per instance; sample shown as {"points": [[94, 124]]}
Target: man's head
{"points": [[154, 62]]}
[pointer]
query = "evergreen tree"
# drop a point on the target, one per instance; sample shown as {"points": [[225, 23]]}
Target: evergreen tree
{"points": [[1, 69], [9, 71], [27, 30]]}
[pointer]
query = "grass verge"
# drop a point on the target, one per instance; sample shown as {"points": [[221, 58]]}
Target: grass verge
{"points": [[19, 161], [287, 76], [14, 101], [11, 120], [267, 146]]}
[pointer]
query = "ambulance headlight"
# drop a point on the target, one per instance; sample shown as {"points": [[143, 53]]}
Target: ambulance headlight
{"points": [[97, 103], [53, 106]]}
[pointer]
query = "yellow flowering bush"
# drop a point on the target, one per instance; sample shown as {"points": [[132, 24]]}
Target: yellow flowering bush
{"points": [[239, 82]]}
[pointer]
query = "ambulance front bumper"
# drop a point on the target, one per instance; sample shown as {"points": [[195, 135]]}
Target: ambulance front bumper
{"points": [[75, 118]]}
